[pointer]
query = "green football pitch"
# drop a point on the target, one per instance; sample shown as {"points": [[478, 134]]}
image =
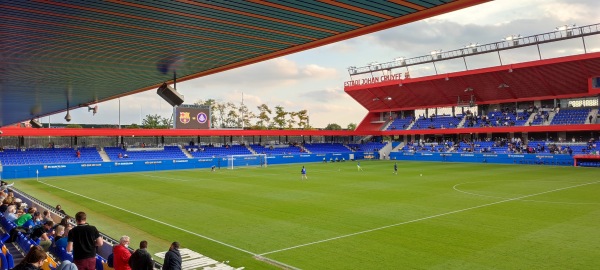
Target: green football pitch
{"points": [[428, 216]]}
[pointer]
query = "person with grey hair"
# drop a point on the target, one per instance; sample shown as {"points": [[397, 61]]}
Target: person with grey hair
{"points": [[141, 259], [121, 254], [172, 258]]}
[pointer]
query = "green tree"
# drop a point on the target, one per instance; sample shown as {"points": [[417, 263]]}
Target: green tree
{"points": [[155, 121], [263, 117], [73, 126], [279, 119], [246, 116], [351, 126], [232, 117], [133, 126], [291, 121], [333, 126], [302, 119]]}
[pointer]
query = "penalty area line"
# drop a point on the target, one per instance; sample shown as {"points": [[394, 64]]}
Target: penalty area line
{"points": [[169, 225], [423, 218]]}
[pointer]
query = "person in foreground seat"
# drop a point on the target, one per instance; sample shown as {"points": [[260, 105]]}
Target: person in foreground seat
{"points": [[33, 260], [83, 240]]}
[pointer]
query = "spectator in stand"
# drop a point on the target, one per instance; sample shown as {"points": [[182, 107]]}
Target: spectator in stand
{"points": [[60, 241], [78, 153], [34, 259], [4, 206], [83, 240], [591, 118], [11, 213], [121, 254], [59, 209], [46, 216], [26, 217], [141, 259], [41, 233], [172, 258]]}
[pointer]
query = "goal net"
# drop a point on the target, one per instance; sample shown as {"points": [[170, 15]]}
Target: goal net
{"points": [[239, 161]]}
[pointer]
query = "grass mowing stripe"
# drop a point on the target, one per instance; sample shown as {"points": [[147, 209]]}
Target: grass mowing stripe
{"points": [[149, 218], [425, 218]]}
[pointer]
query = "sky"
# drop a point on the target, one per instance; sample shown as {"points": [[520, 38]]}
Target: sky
{"points": [[314, 79]]}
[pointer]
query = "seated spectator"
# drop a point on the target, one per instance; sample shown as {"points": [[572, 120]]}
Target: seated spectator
{"points": [[46, 216], [11, 213], [60, 240], [41, 232], [125, 155], [59, 209], [78, 153], [120, 155]]}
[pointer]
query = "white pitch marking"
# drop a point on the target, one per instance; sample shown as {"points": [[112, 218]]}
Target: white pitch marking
{"points": [[424, 218], [497, 197]]}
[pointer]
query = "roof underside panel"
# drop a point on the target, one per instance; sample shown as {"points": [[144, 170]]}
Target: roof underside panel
{"points": [[83, 52]]}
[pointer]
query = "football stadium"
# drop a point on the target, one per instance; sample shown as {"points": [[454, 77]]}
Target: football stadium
{"points": [[493, 167]]}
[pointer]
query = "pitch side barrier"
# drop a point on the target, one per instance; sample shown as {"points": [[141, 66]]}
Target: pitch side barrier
{"points": [[125, 165], [542, 159]]}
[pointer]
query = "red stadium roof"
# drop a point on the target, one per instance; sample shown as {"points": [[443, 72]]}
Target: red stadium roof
{"points": [[564, 77]]}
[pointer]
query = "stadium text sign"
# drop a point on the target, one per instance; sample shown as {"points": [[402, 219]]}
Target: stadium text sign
{"points": [[372, 80]]}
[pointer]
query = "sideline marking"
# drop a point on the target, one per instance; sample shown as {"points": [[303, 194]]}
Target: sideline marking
{"points": [[424, 218], [497, 197], [167, 224]]}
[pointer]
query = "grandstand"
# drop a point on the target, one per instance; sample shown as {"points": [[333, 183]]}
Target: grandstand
{"points": [[517, 114]]}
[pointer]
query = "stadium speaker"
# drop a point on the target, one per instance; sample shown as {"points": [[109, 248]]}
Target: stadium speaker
{"points": [[170, 95], [34, 123]]}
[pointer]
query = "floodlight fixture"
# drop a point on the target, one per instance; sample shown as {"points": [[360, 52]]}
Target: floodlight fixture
{"points": [[472, 47], [468, 89], [514, 39], [567, 28], [436, 54], [388, 98], [400, 60], [376, 99], [503, 85]]}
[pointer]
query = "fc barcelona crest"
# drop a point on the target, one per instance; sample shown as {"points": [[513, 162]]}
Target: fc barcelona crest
{"points": [[184, 117]]}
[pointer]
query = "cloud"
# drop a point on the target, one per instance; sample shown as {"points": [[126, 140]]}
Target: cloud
{"points": [[325, 96]]}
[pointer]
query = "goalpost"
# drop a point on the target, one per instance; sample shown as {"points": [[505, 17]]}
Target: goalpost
{"points": [[235, 161]]}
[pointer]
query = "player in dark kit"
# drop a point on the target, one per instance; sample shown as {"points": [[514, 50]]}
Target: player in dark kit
{"points": [[395, 168], [303, 172]]}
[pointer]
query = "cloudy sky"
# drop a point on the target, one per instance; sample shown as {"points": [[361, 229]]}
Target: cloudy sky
{"points": [[314, 79]]}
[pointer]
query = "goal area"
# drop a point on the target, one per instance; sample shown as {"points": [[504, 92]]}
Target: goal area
{"points": [[240, 161]]}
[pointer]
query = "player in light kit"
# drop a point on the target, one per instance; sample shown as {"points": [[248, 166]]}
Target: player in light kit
{"points": [[303, 172], [358, 166]]}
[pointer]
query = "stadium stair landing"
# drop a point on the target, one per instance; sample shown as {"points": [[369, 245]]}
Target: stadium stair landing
{"points": [[594, 114], [103, 155], [185, 152], [15, 252]]}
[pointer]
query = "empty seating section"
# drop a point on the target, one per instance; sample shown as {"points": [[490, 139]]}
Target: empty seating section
{"points": [[320, 148], [48, 156], [437, 122], [217, 151], [367, 147], [571, 116], [276, 149], [169, 152], [400, 123]]}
